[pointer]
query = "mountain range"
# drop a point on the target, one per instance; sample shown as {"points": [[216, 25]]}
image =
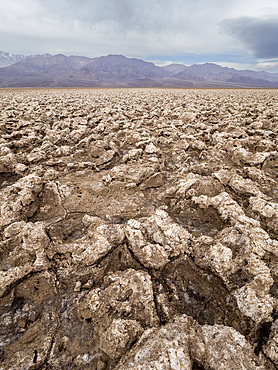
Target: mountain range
{"points": [[119, 71]]}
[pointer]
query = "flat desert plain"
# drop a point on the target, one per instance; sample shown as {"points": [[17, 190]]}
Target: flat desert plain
{"points": [[138, 229]]}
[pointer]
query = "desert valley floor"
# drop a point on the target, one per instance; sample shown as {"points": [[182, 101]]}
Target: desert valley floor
{"points": [[138, 229]]}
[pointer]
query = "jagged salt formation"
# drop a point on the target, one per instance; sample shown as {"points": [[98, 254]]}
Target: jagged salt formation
{"points": [[138, 229]]}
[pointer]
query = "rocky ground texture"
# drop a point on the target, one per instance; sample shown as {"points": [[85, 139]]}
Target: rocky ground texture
{"points": [[138, 229]]}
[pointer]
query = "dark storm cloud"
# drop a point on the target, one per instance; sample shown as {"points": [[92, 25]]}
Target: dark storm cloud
{"points": [[258, 35]]}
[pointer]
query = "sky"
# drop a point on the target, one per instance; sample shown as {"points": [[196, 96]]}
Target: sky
{"points": [[242, 34]]}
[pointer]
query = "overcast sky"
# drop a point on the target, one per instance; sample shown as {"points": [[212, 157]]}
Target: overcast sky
{"points": [[234, 33]]}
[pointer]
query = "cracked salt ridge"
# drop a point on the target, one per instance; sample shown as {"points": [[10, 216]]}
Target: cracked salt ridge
{"points": [[185, 153]]}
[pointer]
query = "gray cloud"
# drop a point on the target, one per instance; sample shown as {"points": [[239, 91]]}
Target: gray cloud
{"points": [[134, 27], [139, 28], [258, 35]]}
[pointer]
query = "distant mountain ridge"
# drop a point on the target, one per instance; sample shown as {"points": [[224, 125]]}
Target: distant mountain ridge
{"points": [[7, 59], [119, 71]]}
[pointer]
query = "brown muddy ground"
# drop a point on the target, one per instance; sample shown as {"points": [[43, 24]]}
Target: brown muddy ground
{"points": [[138, 229]]}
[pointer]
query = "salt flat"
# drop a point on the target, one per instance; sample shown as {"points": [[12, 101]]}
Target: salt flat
{"points": [[138, 229]]}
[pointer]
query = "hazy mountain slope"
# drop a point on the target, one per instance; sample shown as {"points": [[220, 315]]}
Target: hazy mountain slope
{"points": [[211, 72], [271, 77], [7, 59], [117, 69], [175, 68], [41, 71]]}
